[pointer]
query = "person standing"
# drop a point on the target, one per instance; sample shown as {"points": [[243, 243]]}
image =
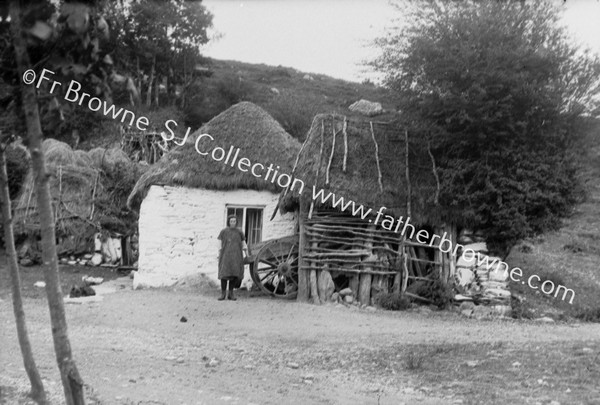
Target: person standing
{"points": [[231, 258]]}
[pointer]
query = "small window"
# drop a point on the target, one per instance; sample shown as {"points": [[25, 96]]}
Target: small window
{"points": [[250, 220]]}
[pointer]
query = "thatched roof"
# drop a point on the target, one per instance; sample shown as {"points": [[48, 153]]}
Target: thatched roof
{"points": [[246, 126], [78, 181], [375, 167]]}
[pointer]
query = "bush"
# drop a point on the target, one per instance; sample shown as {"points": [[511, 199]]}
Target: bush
{"points": [[17, 165], [521, 309], [414, 361], [588, 314], [392, 301], [208, 99], [294, 113]]}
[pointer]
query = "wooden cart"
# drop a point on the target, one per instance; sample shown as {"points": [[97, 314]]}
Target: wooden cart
{"points": [[274, 266]]}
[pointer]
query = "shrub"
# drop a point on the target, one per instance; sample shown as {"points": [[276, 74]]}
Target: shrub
{"points": [[207, 99], [392, 301], [588, 314], [414, 361], [17, 164], [294, 113], [521, 309], [554, 277]]}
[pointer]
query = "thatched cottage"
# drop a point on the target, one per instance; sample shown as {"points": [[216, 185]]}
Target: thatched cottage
{"points": [[185, 198]]}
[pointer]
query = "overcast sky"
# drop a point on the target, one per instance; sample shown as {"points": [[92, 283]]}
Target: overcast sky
{"points": [[331, 36]]}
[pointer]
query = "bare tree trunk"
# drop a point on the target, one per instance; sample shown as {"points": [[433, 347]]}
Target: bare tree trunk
{"points": [[157, 91], [72, 383], [37, 387], [150, 83], [139, 77]]}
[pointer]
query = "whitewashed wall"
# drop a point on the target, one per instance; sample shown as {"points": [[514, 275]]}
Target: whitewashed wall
{"points": [[178, 230]]}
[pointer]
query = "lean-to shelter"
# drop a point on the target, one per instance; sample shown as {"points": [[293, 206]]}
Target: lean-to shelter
{"points": [[373, 164]]}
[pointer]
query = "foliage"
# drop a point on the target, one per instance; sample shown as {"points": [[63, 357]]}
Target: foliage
{"points": [[521, 308], [588, 314], [68, 41], [17, 164], [207, 100], [414, 361], [499, 91], [159, 40], [436, 290], [118, 185], [294, 113], [392, 301]]}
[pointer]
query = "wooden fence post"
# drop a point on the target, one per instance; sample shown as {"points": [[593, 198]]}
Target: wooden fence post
{"points": [[303, 273]]}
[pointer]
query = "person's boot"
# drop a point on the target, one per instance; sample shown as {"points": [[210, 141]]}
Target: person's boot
{"points": [[222, 297], [231, 296]]}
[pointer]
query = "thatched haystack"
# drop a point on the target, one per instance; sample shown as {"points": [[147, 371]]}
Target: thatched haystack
{"points": [[246, 126], [366, 162], [78, 182]]}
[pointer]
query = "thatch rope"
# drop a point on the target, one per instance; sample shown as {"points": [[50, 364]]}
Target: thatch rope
{"points": [[345, 129], [376, 157], [332, 151], [320, 151]]}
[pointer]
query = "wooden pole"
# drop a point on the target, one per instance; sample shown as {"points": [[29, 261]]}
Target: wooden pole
{"points": [[314, 289], [303, 275], [454, 238], [354, 285], [407, 174], [405, 273], [364, 294], [437, 255], [366, 278]]}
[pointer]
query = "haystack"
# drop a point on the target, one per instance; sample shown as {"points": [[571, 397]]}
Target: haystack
{"points": [[367, 162], [77, 182]]}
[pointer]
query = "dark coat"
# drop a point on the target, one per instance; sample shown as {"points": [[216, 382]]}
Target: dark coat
{"points": [[231, 259]]}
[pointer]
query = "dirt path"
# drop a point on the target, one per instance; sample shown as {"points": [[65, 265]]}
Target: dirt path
{"points": [[132, 348]]}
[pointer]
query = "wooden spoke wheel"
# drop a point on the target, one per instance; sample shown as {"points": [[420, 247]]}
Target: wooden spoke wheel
{"points": [[275, 269]]}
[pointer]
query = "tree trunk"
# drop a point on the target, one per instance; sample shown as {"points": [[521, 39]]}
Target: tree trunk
{"points": [[150, 82], [139, 78], [72, 383], [157, 91], [37, 387]]}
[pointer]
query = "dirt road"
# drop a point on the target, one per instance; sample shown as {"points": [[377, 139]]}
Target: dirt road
{"points": [[132, 348]]}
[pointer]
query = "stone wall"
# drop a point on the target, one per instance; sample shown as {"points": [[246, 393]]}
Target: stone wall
{"points": [[178, 229], [481, 280]]}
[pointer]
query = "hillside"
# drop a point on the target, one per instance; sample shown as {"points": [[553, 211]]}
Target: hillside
{"points": [[290, 96], [569, 256]]}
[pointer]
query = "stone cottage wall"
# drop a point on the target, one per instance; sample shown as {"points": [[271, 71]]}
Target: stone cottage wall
{"points": [[178, 229]]}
